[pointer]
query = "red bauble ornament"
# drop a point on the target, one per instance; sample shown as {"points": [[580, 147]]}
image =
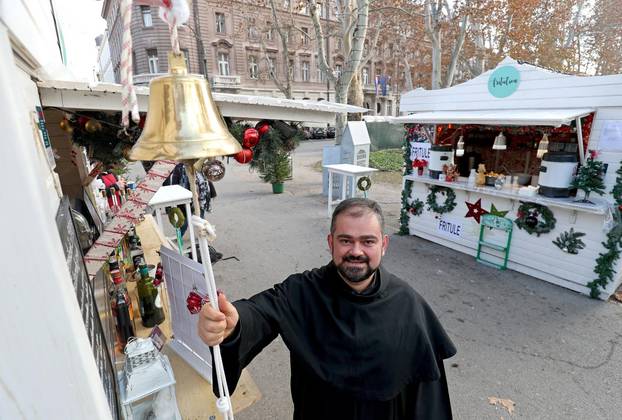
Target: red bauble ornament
{"points": [[251, 138], [194, 302], [82, 121], [141, 122], [263, 128], [245, 156]]}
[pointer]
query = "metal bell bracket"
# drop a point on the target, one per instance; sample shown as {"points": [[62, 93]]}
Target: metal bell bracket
{"points": [[206, 231]]}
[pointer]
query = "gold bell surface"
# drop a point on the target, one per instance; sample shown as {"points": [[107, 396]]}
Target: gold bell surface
{"points": [[183, 121]]}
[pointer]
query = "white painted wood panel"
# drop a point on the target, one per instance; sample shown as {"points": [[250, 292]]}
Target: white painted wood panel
{"points": [[530, 254]]}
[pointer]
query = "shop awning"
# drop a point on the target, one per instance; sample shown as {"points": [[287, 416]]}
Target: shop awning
{"points": [[504, 117], [107, 97]]}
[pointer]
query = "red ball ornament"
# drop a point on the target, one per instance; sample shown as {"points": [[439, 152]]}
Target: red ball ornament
{"points": [[141, 122], [194, 302], [82, 121], [251, 138], [263, 128], [245, 156]]}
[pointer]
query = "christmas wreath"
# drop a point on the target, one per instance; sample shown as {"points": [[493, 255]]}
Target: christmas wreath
{"points": [[535, 218], [450, 199], [364, 183], [415, 207]]}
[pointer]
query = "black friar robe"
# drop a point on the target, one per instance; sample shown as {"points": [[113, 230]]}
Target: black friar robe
{"points": [[377, 355]]}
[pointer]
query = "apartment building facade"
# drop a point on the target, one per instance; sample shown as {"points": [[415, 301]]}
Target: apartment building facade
{"points": [[235, 45]]}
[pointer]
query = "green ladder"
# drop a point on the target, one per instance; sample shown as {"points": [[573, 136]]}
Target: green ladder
{"points": [[500, 223]]}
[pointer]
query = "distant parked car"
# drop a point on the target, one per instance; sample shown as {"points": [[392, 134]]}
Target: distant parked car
{"points": [[318, 133], [306, 133], [330, 133]]}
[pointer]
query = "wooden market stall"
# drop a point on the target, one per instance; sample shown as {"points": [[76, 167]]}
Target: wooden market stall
{"points": [[531, 128], [57, 360], [61, 98]]}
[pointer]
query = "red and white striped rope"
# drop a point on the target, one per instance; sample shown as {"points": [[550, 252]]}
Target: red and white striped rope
{"points": [[128, 93]]}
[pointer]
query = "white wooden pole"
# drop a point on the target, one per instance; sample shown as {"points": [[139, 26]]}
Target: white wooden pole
{"points": [[580, 141]]}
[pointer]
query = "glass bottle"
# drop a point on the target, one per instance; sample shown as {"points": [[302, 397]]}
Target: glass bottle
{"points": [[121, 310], [149, 301]]}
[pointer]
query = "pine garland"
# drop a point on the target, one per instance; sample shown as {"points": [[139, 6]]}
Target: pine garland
{"points": [[606, 261], [408, 185], [569, 241]]}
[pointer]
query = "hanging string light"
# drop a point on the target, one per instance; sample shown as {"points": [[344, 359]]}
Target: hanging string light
{"points": [[500, 142], [460, 147]]}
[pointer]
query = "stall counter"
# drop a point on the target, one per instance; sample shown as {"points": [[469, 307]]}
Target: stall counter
{"points": [[532, 254]]}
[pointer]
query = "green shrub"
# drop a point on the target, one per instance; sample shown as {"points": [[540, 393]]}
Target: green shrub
{"points": [[387, 160]]}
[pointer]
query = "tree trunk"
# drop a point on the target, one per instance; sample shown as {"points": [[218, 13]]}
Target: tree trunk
{"points": [[408, 78], [356, 96]]}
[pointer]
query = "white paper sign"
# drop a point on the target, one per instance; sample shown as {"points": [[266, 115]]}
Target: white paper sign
{"points": [[449, 227], [419, 151], [611, 136]]}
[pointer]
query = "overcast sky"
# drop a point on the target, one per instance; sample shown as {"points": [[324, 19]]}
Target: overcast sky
{"points": [[81, 22]]}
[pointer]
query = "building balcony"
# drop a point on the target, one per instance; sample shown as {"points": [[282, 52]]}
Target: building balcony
{"points": [[145, 78], [225, 82]]}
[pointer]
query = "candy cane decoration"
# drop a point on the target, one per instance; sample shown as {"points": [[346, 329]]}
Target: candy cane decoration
{"points": [[128, 93]]}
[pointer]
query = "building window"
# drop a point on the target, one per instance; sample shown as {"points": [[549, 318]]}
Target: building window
{"points": [[286, 4], [152, 58], [304, 71], [253, 68], [223, 64], [338, 71], [252, 33], [271, 66], [269, 31], [145, 11], [321, 7], [186, 58], [292, 67], [365, 76], [220, 23], [389, 108], [304, 9], [339, 43], [305, 36]]}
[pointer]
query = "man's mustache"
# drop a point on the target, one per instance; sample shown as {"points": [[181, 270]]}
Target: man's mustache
{"points": [[360, 258]]}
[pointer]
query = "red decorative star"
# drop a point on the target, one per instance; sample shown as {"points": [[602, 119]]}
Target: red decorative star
{"points": [[475, 210]]}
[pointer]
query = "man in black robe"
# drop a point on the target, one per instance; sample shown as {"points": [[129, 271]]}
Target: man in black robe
{"points": [[363, 344]]}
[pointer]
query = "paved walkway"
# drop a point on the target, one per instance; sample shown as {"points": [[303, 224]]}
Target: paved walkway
{"points": [[554, 353]]}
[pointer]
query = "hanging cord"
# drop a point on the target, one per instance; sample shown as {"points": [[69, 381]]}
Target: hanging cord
{"points": [[128, 93]]}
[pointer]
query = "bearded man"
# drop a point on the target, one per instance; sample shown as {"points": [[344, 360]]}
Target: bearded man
{"points": [[363, 344]]}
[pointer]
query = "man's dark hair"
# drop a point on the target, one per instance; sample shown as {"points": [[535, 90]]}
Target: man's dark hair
{"points": [[357, 207]]}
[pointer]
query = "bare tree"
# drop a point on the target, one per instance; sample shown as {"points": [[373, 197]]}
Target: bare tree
{"points": [[353, 17]]}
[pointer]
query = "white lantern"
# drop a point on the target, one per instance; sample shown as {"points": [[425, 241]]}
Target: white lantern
{"points": [[147, 384]]}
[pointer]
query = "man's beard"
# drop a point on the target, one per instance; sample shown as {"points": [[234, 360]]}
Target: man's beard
{"points": [[355, 274]]}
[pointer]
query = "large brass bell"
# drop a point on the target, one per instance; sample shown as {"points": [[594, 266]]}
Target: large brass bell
{"points": [[183, 122]]}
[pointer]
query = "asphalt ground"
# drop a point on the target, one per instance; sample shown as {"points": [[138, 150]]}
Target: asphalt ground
{"points": [[554, 353]]}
